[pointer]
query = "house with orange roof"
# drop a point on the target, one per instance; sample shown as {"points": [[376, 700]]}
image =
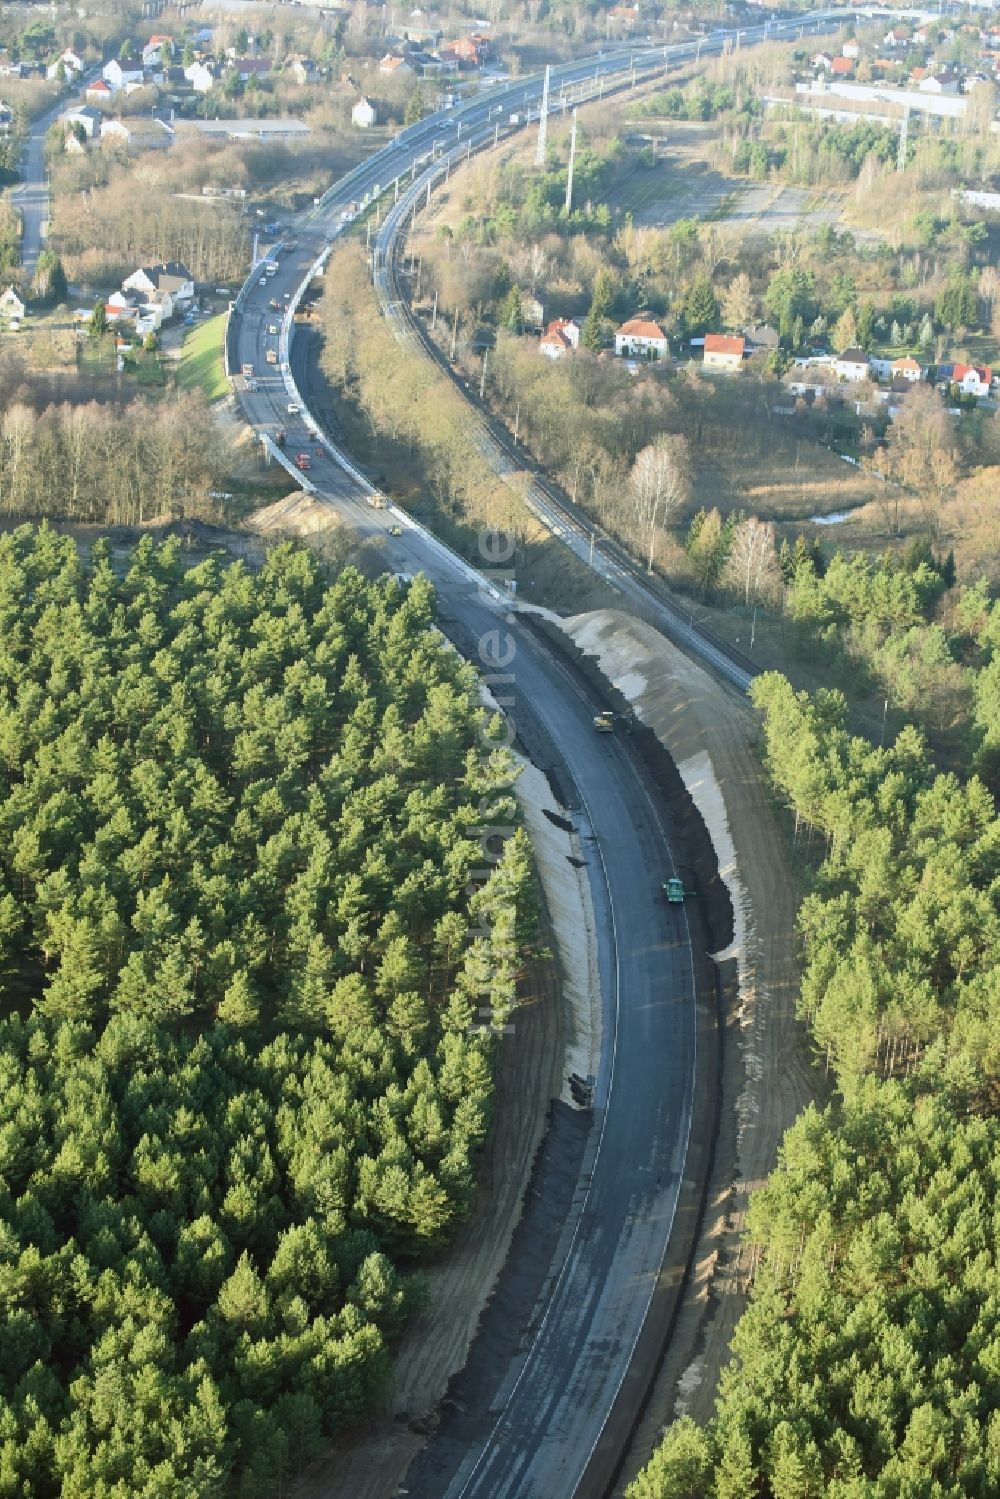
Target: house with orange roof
{"points": [[724, 351], [906, 368]]}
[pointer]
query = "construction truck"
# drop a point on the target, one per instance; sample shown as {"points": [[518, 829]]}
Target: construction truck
{"points": [[271, 356], [377, 501], [303, 461], [604, 723]]}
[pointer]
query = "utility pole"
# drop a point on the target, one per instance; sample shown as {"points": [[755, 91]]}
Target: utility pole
{"points": [[543, 121], [482, 378], [903, 132], [572, 159]]}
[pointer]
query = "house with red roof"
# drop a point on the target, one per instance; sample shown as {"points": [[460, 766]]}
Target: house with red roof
{"points": [[641, 338], [561, 337], [972, 379]]}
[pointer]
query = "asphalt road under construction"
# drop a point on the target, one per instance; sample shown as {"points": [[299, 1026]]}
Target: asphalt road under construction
{"points": [[553, 1421]]}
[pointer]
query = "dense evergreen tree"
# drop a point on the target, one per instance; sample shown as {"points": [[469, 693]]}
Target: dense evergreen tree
{"points": [[866, 1362], [241, 1090]]}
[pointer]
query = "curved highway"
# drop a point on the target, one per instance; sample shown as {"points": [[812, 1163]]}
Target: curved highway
{"points": [[552, 1408]]}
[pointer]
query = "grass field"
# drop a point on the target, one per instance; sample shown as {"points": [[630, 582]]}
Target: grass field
{"points": [[201, 363]]}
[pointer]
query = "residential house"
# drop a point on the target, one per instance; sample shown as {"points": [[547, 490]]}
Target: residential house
{"points": [[304, 70], [12, 309], [426, 64], [162, 40], [906, 368], [171, 277], [147, 312], [251, 67], [68, 64], [724, 351], [364, 114], [851, 50], [139, 134], [200, 76], [941, 82], [898, 36], [6, 116], [851, 365], [561, 337], [11, 69], [72, 144], [124, 73], [467, 51], [98, 92], [821, 61], [395, 67], [972, 379], [842, 67], [87, 117], [761, 336], [641, 337]]}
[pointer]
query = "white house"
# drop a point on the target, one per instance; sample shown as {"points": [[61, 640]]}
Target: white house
{"points": [[944, 82], [200, 76], [12, 309], [98, 92], [364, 114], [852, 365], [170, 277], [88, 118], [122, 73], [821, 60], [897, 37], [972, 379], [907, 368], [641, 337], [851, 50], [561, 337], [67, 65], [724, 351]]}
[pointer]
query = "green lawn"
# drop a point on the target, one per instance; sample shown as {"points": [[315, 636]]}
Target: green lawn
{"points": [[201, 361]]}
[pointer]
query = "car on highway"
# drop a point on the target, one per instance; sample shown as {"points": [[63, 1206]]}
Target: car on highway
{"points": [[262, 281], [293, 408], [272, 328], [396, 530], [274, 305]]}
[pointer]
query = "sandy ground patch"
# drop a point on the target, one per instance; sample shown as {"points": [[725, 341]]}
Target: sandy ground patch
{"points": [[554, 1033], [710, 733]]}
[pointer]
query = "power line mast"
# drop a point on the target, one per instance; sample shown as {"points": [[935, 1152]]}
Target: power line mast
{"points": [[543, 122], [904, 130], [572, 159]]}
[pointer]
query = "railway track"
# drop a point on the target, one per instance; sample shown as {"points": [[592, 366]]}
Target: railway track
{"points": [[546, 499]]}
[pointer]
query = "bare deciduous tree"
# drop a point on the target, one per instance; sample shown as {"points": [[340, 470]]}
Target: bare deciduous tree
{"points": [[659, 483], [752, 565]]}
